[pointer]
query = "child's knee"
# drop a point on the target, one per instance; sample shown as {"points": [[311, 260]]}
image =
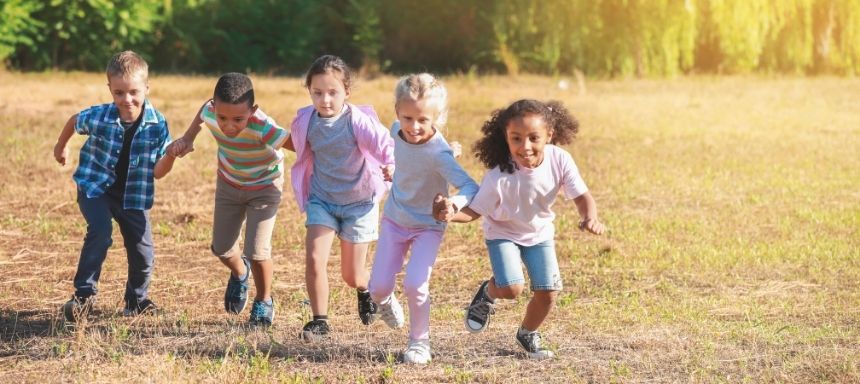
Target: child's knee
{"points": [[547, 297], [510, 292], [414, 287], [224, 253]]}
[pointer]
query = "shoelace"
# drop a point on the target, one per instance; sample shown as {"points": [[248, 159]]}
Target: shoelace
{"points": [[482, 308], [236, 289], [259, 311], [533, 341], [417, 348]]}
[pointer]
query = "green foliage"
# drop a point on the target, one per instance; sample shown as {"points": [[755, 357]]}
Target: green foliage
{"points": [[597, 37], [17, 25]]}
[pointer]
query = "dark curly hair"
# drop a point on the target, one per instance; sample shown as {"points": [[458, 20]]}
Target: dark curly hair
{"points": [[234, 88], [326, 64], [492, 150]]}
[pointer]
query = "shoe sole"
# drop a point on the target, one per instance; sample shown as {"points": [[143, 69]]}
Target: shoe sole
{"points": [[312, 337], [470, 329]]}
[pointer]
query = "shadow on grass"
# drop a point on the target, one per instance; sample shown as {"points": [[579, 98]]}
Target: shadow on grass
{"points": [[20, 325]]}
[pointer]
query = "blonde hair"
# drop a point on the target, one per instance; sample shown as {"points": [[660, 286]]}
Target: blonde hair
{"points": [[127, 64], [423, 86]]}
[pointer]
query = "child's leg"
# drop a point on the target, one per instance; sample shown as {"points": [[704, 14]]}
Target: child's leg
{"points": [[542, 267], [390, 253], [96, 212], [538, 308], [319, 239], [137, 237], [416, 284], [508, 280], [261, 213], [228, 218], [353, 258]]}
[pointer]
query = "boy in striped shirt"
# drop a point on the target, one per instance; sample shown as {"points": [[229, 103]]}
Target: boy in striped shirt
{"points": [[249, 187]]}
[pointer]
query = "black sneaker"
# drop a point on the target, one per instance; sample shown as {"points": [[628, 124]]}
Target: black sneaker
{"points": [[530, 341], [479, 311], [77, 308], [144, 307], [236, 294], [315, 330], [262, 313], [367, 309]]}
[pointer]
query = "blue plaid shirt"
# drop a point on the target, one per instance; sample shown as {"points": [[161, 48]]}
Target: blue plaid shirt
{"points": [[100, 153]]}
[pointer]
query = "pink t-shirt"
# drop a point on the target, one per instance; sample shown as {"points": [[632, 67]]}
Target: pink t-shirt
{"points": [[517, 206]]}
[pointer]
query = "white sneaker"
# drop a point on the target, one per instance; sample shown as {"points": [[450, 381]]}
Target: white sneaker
{"points": [[417, 352], [392, 313]]}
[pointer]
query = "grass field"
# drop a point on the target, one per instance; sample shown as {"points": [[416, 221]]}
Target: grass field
{"points": [[733, 256]]}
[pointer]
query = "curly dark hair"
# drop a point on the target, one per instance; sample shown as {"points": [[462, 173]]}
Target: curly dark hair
{"points": [[492, 150], [326, 64], [234, 88]]}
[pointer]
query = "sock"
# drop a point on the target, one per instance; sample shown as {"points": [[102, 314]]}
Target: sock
{"points": [[321, 317], [523, 331], [487, 294]]}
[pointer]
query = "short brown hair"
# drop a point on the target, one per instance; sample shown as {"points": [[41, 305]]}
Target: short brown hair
{"points": [[127, 64]]}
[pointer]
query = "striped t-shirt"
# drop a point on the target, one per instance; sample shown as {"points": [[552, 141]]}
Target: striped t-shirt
{"points": [[253, 159]]}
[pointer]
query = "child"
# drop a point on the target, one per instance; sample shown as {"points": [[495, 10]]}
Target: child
{"points": [[125, 150], [515, 198], [425, 164], [249, 186], [340, 151]]}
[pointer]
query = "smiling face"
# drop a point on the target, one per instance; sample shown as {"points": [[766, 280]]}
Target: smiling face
{"points": [[526, 137], [129, 93], [416, 120], [232, 118], [328, 93]]}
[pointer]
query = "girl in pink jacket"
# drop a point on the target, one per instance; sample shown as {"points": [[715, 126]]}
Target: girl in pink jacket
{"points": [[344, 157]]}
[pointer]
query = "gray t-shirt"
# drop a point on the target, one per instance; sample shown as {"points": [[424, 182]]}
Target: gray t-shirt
{"points": [[338, 162], [422, 171]]}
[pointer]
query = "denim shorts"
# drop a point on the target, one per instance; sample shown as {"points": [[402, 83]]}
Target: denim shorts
{"points": [[355, 222], [540, 261]]}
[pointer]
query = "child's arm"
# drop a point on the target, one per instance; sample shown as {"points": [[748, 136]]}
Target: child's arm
{"points": [[445, 210], [288, 144], [185, 144], [164, 165], [588, 212], [61, 152]]}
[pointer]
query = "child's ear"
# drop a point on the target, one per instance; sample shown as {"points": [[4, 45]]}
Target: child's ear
{"points": [[254, 109]]}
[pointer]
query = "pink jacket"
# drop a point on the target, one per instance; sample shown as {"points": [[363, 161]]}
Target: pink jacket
{"points": [[374, 142]]}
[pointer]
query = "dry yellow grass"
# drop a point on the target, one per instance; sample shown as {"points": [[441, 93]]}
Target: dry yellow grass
{"points": [[733, 255]]}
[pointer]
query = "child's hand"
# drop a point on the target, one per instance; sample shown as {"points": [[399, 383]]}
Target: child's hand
{"points": [[61, 153], [387, 172], [443, 208], [180, 148], [456, 148], [592, 225]]}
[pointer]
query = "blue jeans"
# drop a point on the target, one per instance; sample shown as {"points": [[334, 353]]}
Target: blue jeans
{"points": [[539, 259], [137, 237]]}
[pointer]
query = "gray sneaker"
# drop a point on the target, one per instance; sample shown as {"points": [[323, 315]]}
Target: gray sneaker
{"points": [[236, 294], [77, 308], [531, 342], [479, 311], [392, 313], [262, 313]]}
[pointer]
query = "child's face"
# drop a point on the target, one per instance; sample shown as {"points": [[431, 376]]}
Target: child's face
{"points": [[232, 118], [416, 120], [328, 93], [128, 94], [526, 137]]}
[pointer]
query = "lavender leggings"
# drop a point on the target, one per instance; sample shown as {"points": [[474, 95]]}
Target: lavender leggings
{"points": [[394, 242]]}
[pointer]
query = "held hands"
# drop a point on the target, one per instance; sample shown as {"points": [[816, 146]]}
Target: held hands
{"points": [[180, 147], [592, 225], [387, 172], [443, 208], [61, 152]]}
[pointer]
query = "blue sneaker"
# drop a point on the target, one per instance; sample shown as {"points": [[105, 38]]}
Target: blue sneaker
{"points": [[262, 313], [236, 296]]}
